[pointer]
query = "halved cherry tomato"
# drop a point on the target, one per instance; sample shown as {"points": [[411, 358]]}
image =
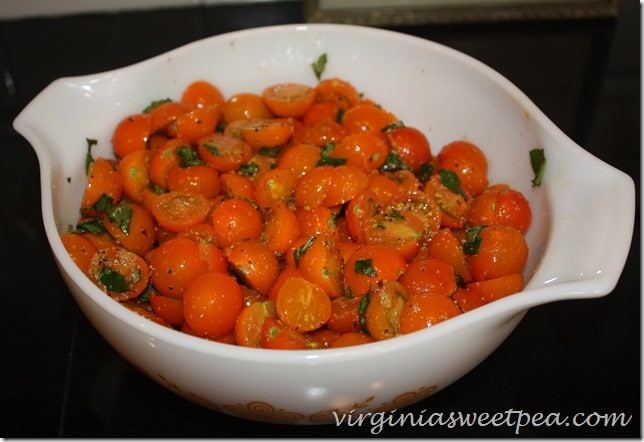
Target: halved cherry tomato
{"points": [[382, 315], [180, 210], [131, 134], [103, 179], [367, 118], [195, 124], [411, 146], [370, 266], [223, 152], [351, 338], [202, 93], [289, 99], [302, 305], [345, 314], [211, 304], [198, 178], [248, 327], [468, 161], [479, 293], [254, 263], [281, 228], [235, 220], [131, 226], [245, 105], [365, 150], [167, 308], [165, 114], [134, 168], [502, 251], [122, 274], [422, 311], [319, 260], [338, 91], [80, 248], [502, 205], [266, 132], [430, 275], [277, 335], [299, 157]]}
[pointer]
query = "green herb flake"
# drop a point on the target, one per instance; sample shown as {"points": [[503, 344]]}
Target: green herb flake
{"points": [[154, 104], [113, 281], [451, 180], [93, 226], [212, 149], [298, 253], [248, 169], [89, 159], [362, 310], [272, 152], [472, 240], [327, 160], [538, 163], [188, 156], [339, 116], [365, 267], [394, 162], [424, 172], [103, 203], [392, 126], [319, 65], [121, 215]]}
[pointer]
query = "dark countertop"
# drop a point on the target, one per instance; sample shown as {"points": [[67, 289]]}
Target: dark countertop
{"points": [[60, 378]]}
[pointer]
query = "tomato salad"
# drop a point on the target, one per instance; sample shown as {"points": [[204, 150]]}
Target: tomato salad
{"points": [[299, 217]]}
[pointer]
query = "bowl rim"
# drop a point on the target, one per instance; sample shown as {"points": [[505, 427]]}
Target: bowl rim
{"points": [[509, 306]]}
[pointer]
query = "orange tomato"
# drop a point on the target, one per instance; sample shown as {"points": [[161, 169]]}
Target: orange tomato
{"points": [[202, 93], [351, 338], [411, 146], [501, 205], [426, 310], [266, 132], [369, 266], [502, 251], [338, 91], [103, 179], [430, 275], [179, 210], [382, 315], [131, 226], [362, 149], [367, 118], [167, 308], [223, 152], [198, 178], [122, 274], [289, 99], [80, 248], [211, 304], [245, 105], [468, 161], [235, 220], [319, 260], [254, 263], [134, 169], [302, 305], [277, 335], [248, 327], [131, 134], [479, 293]]}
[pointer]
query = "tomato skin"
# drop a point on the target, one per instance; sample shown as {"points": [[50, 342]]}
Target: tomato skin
{"points": [[468, 161], [365, 150], [426, 310], [211, 304], [174, 264], [338, 91], [351, 338], [198, 178], [411, 145], [289, 99], [501, 205], [367, 118], [279, 336], [139, 236], [179, 210], [245, 106], [165, 114], [249, 323], [167, 308], [103, 179], [80, 248], [503, 251], [131, 134], [255, 263], [479, 293], [430, 275], [134, 169], [369, 266], [223, 152], [345, 314], [202, 93], [236, 219]]}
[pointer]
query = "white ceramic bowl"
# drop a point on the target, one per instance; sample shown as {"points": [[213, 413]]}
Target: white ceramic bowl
{"points": [[577, 245]]}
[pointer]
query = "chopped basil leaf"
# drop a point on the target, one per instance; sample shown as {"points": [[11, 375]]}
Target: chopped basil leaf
{"points": [[319, 65], [362, 310], [121, 215], [451, 180], [394, 162], [113, 281], [460, 282], [93, 226], [538, 163], [327, 160], [472, 240], [249, 169], [272, 152], [347, 293], [158, 189], [221, 127], [297, 253], [103, 203], [339, 116], [424, 172], [212, 149], [394, 125], [188, 156], [365, 267], [145, 296], [89, 159], [154, 104]]}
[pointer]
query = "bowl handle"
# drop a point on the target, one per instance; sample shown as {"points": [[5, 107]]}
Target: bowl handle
{"points": [[590, 241]]}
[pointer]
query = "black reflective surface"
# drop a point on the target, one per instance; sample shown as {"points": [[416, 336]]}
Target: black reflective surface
{"points": [[60, 379]]}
